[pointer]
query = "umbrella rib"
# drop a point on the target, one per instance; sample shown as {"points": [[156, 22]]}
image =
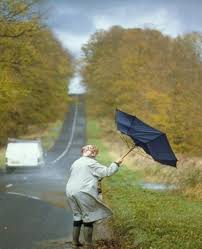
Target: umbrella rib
{"points": [[130, 125], [124, 140], [154, 138], [140, 153]]}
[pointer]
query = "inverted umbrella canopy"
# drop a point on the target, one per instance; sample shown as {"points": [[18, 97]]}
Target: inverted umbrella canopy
{"points": [[151, 140]]}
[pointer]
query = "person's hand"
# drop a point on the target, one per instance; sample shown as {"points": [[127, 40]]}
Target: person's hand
{"points": [[119, 161]]}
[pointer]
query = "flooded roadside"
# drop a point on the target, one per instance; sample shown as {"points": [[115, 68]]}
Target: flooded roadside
{"points": [[158, 186]]}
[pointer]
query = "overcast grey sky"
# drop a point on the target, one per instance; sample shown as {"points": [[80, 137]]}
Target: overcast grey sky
{"points": [[73, 21]]}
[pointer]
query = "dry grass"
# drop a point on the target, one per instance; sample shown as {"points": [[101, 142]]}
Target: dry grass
{"points": [[2, 157], [47, 134], [107, 244]]}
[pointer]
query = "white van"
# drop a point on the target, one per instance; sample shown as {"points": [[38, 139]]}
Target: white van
{"points": [[24, 153]]}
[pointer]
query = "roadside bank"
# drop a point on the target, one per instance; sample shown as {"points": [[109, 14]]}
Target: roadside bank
{"points": [[146, 218]]}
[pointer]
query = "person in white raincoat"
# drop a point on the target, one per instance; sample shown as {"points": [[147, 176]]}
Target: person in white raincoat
{"points": [[83, 195]]}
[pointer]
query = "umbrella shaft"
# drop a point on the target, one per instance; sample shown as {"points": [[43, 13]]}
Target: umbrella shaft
{"points": [[128, 152]]}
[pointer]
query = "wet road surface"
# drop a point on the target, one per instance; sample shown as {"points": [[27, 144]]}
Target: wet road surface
{"points": [[33, 205]]}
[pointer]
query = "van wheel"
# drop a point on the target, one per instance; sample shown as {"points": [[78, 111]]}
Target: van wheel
{"points": [[9, 170]]}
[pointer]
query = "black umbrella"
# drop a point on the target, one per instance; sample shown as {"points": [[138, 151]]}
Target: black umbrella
{"points": [[152, 141]]}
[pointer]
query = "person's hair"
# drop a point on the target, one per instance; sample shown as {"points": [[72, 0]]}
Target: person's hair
{"points": [[89, 150]]}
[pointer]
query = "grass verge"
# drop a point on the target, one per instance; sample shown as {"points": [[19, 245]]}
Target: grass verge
{"points": [[47, 135], [145, 219]]}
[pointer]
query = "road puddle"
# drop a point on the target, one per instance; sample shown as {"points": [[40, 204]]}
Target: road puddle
{"points": [[158, 186]]}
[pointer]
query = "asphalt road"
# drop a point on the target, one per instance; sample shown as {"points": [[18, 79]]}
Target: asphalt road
{"points": [[33, 204]]}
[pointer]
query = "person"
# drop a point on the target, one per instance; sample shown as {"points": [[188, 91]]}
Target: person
{"points": [[83, 195]]}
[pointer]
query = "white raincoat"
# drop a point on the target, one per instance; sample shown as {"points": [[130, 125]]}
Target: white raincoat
{"points": [[81, 189]]}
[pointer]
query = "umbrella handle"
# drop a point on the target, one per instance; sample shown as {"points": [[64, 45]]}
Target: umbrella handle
{"points": [[128, 152]]}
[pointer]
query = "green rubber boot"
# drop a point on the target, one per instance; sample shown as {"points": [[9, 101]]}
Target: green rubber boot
{"points": [[75, 235], [88, 237]]}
